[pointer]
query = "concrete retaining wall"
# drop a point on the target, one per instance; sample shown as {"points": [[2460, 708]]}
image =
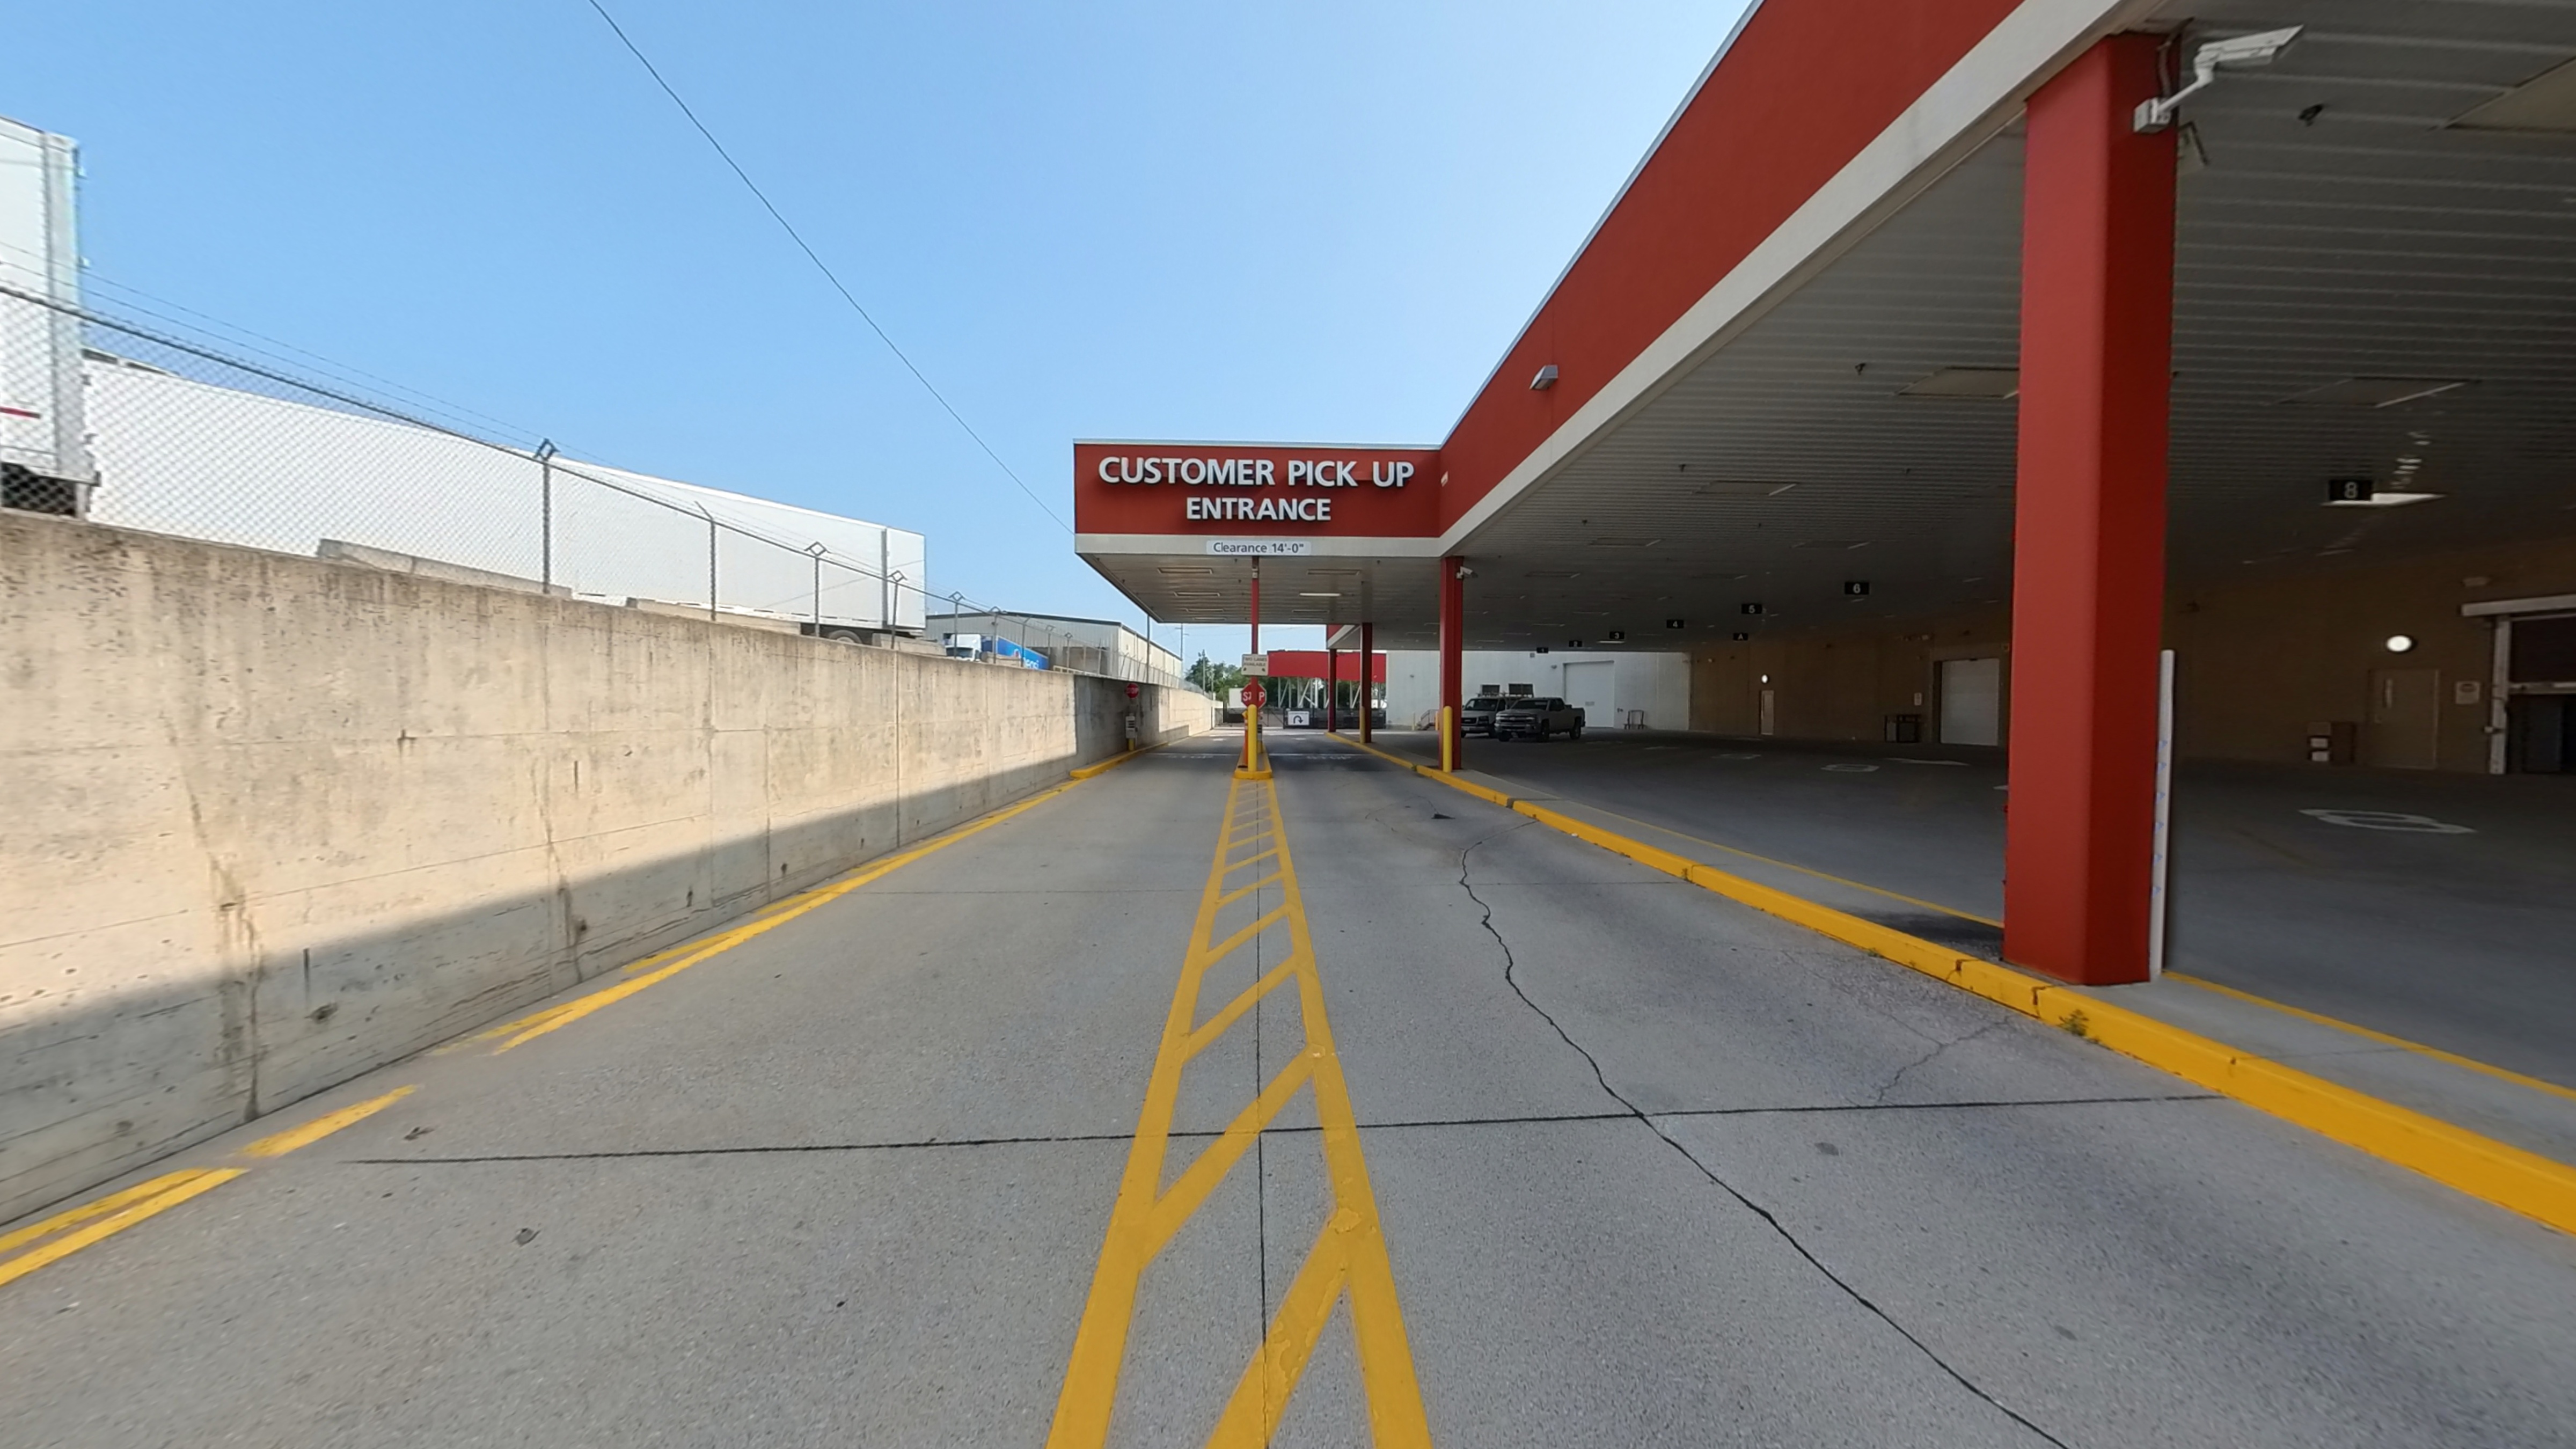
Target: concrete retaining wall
{"points": [[272, 821]]}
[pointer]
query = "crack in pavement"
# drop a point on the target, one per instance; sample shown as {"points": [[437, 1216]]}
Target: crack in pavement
{"points": [[1938, 1047], [1409, 1124], [1511, 966]]}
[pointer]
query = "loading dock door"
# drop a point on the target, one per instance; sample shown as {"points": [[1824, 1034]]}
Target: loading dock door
{"points": [[2405, 718], [1587, 688], [1972, 701]]}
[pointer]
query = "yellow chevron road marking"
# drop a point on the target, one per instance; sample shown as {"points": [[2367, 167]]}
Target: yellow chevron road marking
{"points": [[1349, 1258]]}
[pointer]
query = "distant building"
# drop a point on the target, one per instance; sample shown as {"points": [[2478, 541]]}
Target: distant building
{"points": [[1091, 646]]}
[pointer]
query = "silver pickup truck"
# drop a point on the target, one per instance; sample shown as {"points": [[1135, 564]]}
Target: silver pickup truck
{"points": [[1536, 718]]}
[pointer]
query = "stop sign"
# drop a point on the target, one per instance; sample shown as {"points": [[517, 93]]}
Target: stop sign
{"points": [[1134, 690], [1252, 694]]}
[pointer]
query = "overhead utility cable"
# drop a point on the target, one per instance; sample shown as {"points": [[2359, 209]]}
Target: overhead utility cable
{"points": [[819, 264]]}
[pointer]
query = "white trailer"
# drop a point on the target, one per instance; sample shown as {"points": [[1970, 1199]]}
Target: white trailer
{"points": [[44, 453]]}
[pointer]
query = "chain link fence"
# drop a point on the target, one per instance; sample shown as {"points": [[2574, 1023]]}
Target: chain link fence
{"points": [[133, 424]]}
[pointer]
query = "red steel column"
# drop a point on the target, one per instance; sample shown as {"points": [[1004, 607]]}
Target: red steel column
{"points": [[1332, 688], [1368, 675], [1453, 668], [2089, 519]]}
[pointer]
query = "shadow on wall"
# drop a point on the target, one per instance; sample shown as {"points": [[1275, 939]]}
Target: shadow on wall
{"points": [[273, 822]]}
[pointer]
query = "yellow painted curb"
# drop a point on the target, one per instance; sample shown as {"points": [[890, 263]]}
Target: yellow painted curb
{"points": [[2492, 1171]]}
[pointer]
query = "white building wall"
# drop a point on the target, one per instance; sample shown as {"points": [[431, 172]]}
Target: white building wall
{"points": [[182, 457], [1657, 684]]}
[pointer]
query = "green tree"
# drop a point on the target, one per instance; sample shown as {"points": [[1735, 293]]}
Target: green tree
{"points": [[1215, 678]]}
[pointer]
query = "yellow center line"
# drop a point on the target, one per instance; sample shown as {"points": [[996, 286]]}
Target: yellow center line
{"points": [[1349, 1258]]}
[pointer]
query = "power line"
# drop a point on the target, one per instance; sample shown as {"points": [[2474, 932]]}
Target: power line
{"points": [[819, 264]]}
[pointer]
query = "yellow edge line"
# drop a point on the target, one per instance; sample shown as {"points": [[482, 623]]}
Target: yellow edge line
{"points": [[553, 1018], [19, 1267], [2492, 1171], [278, 1144], [1085, 772], [96, 1208]]}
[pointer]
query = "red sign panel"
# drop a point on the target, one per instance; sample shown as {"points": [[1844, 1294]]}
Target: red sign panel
{"points": [[1240, 491], [1252, 694], [1310, 664]]}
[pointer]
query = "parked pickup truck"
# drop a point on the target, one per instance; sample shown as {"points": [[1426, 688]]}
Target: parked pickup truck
{"points": [[1476, 716], [1538, 718]]}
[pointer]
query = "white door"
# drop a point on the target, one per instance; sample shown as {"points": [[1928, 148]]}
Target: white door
{"points": [[1770, 717], [1587, 688], [1972, 701]]}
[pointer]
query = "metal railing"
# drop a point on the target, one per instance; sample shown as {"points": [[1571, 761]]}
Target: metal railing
{"points": [[181, 436]]}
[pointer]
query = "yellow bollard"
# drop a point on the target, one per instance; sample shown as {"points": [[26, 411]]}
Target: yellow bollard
{"points": [[1256, 764]]}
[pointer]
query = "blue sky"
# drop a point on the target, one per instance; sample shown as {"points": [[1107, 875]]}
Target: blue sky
{"points": [[1321, 221]]}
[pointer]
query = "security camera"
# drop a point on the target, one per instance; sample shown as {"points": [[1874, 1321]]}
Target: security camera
{"points": [[2233, 53], [2256, 49]]}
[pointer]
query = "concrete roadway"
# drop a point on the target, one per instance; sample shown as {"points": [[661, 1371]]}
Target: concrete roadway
{"points": [[1651, 1169], [2461, 938]]}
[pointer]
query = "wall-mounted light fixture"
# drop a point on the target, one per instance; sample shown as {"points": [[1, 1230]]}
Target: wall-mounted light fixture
{"points": [[2401, 643], [1546, 378]]}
